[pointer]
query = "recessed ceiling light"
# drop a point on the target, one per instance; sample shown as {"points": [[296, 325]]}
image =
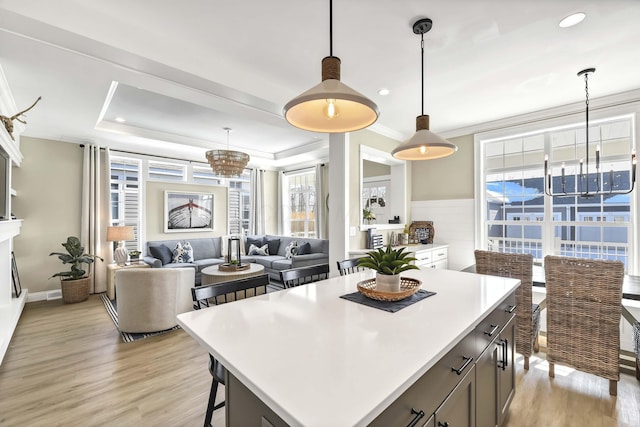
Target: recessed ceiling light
{"points": [[571, 20], [120, 120], [383, 92]]}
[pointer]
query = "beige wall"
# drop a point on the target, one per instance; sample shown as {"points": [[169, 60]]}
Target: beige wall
{"points": [[155, 210], [365, 137], [448, 178], [49, 187]]}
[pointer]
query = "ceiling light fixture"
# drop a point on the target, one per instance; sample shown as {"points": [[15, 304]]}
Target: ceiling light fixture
{"points": [[383, 92], [583, 179], [571, 20], [227, 163], [424, 144], [331, 106], [120, 119]]}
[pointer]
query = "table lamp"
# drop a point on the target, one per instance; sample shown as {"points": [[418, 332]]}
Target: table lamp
{"points": [[119, 234]]}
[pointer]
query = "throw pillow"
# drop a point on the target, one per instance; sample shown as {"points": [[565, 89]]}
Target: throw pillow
{"points": [[183, 252], [253, 241], [304, 249], [162, 252], [263, 250], [187, 252], [291, 249], [274, 245]]}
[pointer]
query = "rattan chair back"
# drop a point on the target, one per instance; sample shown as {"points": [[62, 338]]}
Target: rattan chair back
{"points": [[516, 266], [584, 305]]}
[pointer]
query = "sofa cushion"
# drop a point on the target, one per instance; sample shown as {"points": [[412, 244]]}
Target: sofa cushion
{"points": [[281, 264], [304, 248], [266, 261], [183, 252], [255, 250], [253, 240], [205, 248], [162, 252], [180, 265], [291, 249], [204, 263], [274, 245]]}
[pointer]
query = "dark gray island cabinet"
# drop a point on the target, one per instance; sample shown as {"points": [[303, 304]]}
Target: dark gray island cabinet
{"points": [[446, 361]]}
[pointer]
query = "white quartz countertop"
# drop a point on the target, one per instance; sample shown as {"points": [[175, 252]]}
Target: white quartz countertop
{"points": [[319, 360]]}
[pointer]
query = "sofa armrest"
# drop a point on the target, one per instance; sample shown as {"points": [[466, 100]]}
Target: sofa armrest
{"points": [[309, 259], [153, 262]]}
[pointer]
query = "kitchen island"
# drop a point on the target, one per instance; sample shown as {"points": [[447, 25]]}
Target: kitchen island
{"points": [[307, 357]]}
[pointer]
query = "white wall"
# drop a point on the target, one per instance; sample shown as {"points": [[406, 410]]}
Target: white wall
{"points": [[454, 224]]}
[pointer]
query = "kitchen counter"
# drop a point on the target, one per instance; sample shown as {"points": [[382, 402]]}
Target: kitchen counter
{"points": [[316, 359]]}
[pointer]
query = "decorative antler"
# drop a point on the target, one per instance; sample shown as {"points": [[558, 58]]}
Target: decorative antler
{"points": [[8, 121]]}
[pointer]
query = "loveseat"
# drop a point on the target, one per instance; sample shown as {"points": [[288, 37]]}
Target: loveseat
{"points": [[210, 251]]}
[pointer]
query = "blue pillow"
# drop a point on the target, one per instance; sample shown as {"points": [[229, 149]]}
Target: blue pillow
{"points": [[162, 252], [304, 249], [274, 245]]}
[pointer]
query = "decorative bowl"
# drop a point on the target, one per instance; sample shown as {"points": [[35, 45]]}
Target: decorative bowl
{"points": [[408, 287]]}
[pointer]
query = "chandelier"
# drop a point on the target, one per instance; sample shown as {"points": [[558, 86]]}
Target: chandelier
{"points": [[227, 163], [583, 180], [424, 144]]}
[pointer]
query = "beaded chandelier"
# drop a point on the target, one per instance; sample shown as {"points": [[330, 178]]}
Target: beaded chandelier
{"points": [[227, 163]]}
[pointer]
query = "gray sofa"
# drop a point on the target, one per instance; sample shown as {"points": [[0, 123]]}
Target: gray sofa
{"points": [[208, 251]]}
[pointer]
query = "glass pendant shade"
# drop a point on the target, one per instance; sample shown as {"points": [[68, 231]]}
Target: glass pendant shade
{"points": [[331, 106], [424, 144]]}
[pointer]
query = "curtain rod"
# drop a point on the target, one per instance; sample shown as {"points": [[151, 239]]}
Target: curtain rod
{"points": [[150, 155], [299, 169]]}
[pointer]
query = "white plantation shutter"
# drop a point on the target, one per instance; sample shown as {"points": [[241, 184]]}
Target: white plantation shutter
{"points": [[125, 196]]}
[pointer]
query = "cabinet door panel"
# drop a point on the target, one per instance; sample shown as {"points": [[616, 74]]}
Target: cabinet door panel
{"points": [[487, 387], [506, 374], [459, 409]]}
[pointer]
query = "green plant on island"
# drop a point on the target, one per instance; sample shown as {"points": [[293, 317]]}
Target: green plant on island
{"points": [[76, 257], [388, 261]]}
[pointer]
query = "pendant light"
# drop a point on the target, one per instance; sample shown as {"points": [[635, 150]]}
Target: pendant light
{"points": [[331, 106], [227, 163], [583, 179], [424, 144]]}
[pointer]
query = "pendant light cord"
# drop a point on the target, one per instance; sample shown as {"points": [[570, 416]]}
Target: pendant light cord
{"points": [[586, 109], [330, 27], [422, 67]]}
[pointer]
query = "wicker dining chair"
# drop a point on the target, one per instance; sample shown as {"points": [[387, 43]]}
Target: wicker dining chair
{"points": [[516, 266], [349, 266], [584, 305]]}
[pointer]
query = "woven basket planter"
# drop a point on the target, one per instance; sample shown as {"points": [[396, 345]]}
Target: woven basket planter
{"points": [[75, 290]]}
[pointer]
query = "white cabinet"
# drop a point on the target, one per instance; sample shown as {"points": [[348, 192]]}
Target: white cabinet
{"points": [[431, 256]]}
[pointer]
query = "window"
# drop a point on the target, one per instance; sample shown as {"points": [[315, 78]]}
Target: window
{"points": [[239, 203], [127, 187], [125, 196], [299, 203], [515, 214]]}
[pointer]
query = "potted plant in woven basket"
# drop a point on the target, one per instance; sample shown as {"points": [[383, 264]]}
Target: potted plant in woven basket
{"points": [[75, 282], [388, 264]]}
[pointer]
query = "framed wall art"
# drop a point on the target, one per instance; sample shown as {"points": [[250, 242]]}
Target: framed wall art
{"points": [[187, 211]]}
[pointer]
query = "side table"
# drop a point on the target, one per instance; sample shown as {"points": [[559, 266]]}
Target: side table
{"points": [[111, 275]]}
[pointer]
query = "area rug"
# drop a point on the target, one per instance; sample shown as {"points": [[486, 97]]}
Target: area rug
{"points": [[111, 307]]}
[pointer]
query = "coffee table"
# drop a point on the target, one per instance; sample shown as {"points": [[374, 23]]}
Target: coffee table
{"points": [[211, 275]]}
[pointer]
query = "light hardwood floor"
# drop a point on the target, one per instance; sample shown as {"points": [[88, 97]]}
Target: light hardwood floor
{"points": [[66, 366]]}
